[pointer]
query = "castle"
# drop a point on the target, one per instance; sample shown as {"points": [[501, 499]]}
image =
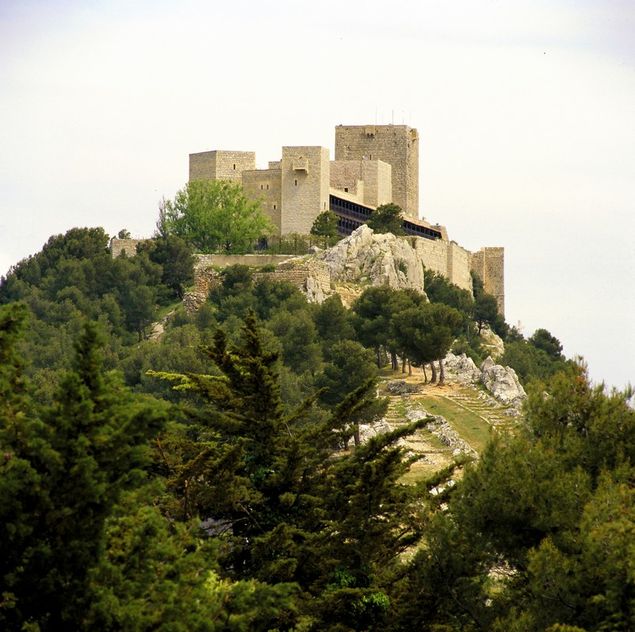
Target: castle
{"points": [[374, 165]]}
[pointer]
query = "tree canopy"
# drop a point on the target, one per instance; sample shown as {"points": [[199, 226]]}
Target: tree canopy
{"points": [[387, 218], [214, 216]]}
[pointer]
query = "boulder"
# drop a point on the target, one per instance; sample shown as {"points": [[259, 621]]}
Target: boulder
{"points": [[461, 368], [368, 431], [502, 382]]}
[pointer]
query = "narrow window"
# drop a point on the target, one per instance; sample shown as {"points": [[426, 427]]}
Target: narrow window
{"points": [[234, 166], [267, 187], [296, 183], [346, 189], [261, 187], [274, 207]]}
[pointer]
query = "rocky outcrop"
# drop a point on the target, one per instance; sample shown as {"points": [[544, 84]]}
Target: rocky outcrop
{"points": [[368, 431], [461, 368], [502, 382], [492, 343], [368, 258]]}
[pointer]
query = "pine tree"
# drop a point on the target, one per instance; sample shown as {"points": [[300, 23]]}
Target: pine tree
{"points": [[76, 458]]}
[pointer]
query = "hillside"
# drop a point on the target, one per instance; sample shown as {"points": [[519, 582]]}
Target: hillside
{"points": [[262, 463]]}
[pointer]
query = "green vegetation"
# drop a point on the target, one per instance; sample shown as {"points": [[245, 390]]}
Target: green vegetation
{"points": [[213, 216], [472, 428], [387, 218], [325, 225], [214, 479]]}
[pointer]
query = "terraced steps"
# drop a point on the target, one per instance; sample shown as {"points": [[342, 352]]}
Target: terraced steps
{"points": [[471, 414]]}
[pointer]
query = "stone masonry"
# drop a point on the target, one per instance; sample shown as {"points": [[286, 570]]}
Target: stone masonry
{"points": [[398, 145]]}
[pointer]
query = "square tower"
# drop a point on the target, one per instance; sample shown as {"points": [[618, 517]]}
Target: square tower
{"points": [[221, 165], [304, 187], [398, 145]]}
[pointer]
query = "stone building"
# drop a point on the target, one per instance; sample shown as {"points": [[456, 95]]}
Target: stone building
{"points": [[374, 165]]}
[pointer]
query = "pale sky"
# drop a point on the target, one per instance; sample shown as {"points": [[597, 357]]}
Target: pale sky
{"points": [[525, 112]]}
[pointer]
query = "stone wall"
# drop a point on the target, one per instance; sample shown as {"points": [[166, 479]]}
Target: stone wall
{"points": [[265, 185], [459, 266], [446, 258], [398, 145], [222, 261], [310, 277], [489, 265], [129, 246]]}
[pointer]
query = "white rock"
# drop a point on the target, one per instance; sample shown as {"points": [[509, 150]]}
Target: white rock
{"points": [[379, 259], [492, 342], [367, 431], [502, 382], [462, 368]]}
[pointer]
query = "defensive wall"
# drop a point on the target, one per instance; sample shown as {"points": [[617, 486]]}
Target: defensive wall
{"points": [[124, 246]]}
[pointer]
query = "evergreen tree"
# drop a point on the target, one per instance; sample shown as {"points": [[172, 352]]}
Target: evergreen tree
{"points": [[76, 457], [387, 218]]}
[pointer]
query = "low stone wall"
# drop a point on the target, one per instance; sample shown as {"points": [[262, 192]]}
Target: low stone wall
{"points": [[222, 261], [310, 277], [129, 246]]}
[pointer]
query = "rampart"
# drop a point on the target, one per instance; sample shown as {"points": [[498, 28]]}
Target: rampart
{"points": [[446, 258]]}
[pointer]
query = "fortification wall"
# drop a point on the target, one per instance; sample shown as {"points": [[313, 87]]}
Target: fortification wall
{"points": [[459, 266], [129, 246], [305, 187], [446, 258], [489, 265], [265, 185], [398, 145]]}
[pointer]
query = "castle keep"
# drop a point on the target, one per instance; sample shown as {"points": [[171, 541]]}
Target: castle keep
{"points": [[374, 165]]}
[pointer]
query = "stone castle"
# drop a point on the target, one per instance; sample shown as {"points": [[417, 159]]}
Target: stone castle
{"points": [[374, 165]]}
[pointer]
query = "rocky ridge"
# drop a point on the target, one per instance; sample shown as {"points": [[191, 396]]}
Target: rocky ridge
{"points": [[371, 258]]}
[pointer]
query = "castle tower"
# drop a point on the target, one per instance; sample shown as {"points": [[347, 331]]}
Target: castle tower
{"points": [[221, 165], [304, 187], [398, 145], [489, 264]]}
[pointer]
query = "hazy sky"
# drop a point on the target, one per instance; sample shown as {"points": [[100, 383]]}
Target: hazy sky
{"points": [[525, 110]]}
